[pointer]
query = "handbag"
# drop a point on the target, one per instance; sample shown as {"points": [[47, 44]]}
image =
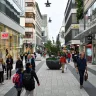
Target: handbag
{"points": [[86, 76]]}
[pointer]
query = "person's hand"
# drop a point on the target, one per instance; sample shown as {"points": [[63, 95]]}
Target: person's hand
{"points": [[38, 84]]}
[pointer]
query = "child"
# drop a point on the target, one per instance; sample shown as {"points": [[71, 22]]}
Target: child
{"points": [[1, 72]]}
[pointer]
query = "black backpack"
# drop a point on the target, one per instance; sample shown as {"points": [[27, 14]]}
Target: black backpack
{"points": [[28, 81]]}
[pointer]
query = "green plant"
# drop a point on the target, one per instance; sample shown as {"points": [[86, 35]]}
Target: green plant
{"points": [[79, 9]]}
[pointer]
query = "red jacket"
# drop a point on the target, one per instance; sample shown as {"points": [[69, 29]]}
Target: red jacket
{"points": [[62, 60], [69, 55]]}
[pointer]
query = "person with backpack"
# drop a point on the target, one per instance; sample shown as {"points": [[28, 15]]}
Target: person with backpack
{"points": [[18, 81], [63, 62], [81, 67], [28, 80], [1, 72], [19, 64], [9, 63]]}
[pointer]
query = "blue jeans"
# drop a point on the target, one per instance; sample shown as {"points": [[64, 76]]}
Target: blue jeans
{"points": [[68, 60]]}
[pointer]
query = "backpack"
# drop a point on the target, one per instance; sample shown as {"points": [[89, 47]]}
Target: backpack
{"points": [[17, 80], [28, 81]]}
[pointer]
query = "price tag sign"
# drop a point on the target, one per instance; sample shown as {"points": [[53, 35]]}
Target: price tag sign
{"points": [[4, 35]]}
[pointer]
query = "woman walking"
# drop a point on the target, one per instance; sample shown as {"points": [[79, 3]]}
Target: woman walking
{"points": [[1, 72], [9, 63]]}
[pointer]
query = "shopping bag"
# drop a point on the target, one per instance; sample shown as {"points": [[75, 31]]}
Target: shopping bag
{"points": [[85, 76]]}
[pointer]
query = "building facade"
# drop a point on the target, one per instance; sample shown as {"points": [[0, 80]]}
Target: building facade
{"points": [[44, 28], [87, 31], [10, 29], [30, 34], [38, 28], [71, 24]]}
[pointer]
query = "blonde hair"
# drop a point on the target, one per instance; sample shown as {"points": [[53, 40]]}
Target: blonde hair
{"points": [[18, 58]]}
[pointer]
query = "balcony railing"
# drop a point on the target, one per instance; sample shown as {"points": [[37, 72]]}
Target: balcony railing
{"points": [[30, 20], [30, 1], [29, 30], [30, 9]]}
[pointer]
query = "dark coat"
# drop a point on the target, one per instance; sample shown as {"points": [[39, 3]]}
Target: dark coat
{"points": [[19, 64], [9, 63], [34, 76]]}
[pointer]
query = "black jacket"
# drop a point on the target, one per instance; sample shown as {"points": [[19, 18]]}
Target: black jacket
{"points": [[19, 64], [9, 63], [33, 74]]}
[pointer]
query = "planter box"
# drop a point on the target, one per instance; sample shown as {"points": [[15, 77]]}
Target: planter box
{"points": [[53, 64]]}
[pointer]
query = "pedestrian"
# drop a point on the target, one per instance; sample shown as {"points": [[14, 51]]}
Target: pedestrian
{"points": [[26, 57], [68, 56], [4, 65], [81, 67], [19, 63], [9, 63], [75, 58], [21, 56], [28, 80], [35, 55], [63, 62], [1, 72], [18, 81], [31, 60]]}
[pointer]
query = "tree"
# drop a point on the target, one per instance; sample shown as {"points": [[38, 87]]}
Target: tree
{"points": [[79, 9], [48, 45]]}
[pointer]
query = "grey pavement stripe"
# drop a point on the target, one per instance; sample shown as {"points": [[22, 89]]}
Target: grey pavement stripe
{"points": [[92, 71], [13, 91], [89, 88]]}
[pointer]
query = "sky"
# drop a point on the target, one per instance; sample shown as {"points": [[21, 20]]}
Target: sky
{"points": [[56, 12]]}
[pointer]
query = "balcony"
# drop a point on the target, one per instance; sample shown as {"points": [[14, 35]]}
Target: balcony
{"points": [[30, 20], [30, 9], [29, 30]]}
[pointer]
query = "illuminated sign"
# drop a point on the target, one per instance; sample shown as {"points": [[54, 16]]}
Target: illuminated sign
{"points": [[4, 35]]}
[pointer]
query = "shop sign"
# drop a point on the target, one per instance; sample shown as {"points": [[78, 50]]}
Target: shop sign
{"points": [[75, 26], [4, 35]]}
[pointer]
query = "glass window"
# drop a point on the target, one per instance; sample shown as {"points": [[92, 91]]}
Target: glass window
{"points": [[74, 18], [28, 35], [29, 4], [30, 15], [30, 25]]}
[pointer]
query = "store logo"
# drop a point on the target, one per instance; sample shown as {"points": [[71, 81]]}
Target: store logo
{"points": [[4, 35]]}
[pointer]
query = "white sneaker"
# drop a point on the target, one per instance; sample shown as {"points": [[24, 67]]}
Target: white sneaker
{"points": [[2, 83]]}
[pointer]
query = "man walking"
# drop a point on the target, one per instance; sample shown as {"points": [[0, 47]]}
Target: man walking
{"points": [[81, 67]]}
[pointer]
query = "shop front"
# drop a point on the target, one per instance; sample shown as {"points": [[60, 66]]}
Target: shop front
{"points": [[9, 42]]}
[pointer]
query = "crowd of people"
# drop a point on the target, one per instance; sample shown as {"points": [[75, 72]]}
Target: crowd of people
{"points": [[24, 78], [25, 74]]}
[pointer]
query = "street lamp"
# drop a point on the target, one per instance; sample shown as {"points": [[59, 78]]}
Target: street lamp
{"points": [[49, 20], [48, 3]]}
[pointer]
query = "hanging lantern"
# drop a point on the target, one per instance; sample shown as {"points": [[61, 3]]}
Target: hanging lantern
{"points": [[50, 20], [47, 4]]}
